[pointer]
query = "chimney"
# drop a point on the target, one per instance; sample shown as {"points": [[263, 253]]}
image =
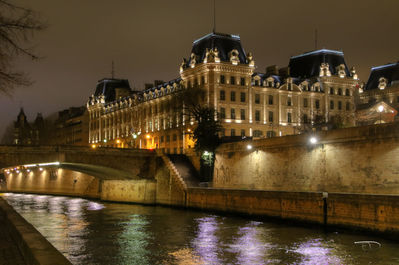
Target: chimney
{"points": [[272, 70], [158, 82], [284, 72], [148, 86]]}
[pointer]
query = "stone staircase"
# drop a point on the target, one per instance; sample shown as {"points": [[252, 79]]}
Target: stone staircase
{"points": [[174, 173], [185, 169]]}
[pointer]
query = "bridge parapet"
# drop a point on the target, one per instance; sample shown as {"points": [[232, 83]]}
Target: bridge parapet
{"points": [[135, 162]]}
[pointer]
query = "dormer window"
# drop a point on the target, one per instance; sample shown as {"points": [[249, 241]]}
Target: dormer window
{"points": [[256, 82], [289, 86]]}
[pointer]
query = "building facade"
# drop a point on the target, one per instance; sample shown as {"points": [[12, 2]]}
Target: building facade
{"points": [[26, 133], [71, 127], [379, 97], [316, 87]]}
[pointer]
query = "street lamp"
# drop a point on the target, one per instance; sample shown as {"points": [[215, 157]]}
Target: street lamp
{"points": [[313, 140], [380, 110]]}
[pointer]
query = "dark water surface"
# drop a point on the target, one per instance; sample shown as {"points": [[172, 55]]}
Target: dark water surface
{"points": [[93, 232]]}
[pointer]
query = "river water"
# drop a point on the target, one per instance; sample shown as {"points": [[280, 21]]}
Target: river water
{"points": [[93, 232]]}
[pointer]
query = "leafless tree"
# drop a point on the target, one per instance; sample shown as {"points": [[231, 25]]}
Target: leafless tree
{"points": [[17, 26]]}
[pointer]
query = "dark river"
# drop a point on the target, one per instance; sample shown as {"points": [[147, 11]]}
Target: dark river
{"points": [[93, 232]]}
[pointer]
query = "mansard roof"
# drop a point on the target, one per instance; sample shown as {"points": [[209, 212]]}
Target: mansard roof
{"points": [[225, 43], [388, 71], [107, 87], [307, 65]]}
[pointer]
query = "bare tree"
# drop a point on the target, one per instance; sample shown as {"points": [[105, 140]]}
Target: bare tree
{"points": [[17, 26]]}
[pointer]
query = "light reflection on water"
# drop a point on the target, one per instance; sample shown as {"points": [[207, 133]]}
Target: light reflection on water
{"points": [[92, 232]]}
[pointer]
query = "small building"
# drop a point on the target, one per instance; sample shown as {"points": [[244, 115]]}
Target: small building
{"points": [[72, 127]]}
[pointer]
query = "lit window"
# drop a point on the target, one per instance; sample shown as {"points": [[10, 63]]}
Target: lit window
{"points": [[222, 95], [232, 96], [257, 99], [242, 96]]}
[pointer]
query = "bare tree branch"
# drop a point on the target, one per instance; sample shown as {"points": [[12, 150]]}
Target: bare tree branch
{"points": [[17, 27]]}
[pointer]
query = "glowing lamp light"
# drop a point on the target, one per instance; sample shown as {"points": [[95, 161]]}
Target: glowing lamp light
{"points": [[118, 141], [188, 130], [93, 146], [41, 169], [313, 140], [249, 147], [206, 153], [147, 136], [134, 136], [105, 140], [380, 108]]}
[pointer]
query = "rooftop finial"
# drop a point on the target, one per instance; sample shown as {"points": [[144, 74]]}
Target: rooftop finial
{"points": [[112, 70], [214, 16]]}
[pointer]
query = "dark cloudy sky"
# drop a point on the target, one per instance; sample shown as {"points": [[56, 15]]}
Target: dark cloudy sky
{"points": [[147, 40]]}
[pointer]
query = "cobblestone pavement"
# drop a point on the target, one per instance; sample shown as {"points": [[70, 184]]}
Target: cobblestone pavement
{"points": [[9, 252]]}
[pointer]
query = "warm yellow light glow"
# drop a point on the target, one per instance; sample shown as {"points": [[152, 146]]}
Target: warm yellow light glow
{"points": [[93, 146], [118, 141], [147, 136], [50, 164], [188, 130]]}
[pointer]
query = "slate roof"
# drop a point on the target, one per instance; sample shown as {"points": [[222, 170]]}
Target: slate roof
{"points": [[308, 64], [389, 71], [225, 43], [107, 87]]}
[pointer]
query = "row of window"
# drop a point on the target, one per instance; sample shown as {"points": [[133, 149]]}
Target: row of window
{"points": [[232, 80], [174, 138], [339, 92], [222, 114], [255, 133]]}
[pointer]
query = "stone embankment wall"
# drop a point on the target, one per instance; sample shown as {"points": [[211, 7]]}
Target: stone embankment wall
{"points": [[355, 160], [137, 191], [34, 248], [378, 213]]}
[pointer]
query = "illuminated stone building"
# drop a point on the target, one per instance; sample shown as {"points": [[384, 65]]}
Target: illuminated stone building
{"points": [[379, 97], [316, 84]]}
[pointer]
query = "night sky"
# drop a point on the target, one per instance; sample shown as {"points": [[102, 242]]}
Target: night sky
{"points": [[147, 40]]}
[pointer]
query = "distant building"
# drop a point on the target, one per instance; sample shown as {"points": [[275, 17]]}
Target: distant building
{"points": [[379, 98], [72, 127], [316, 87], [26, 133]]}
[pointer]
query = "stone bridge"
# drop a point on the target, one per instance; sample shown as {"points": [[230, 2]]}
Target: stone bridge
{"points": [[103, 163]]}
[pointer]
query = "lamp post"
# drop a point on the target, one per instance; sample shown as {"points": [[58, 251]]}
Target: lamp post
{"points": [[380, 110]]}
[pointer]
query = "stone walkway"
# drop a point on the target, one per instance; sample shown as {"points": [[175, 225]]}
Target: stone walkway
{"points": [[9, 252]]}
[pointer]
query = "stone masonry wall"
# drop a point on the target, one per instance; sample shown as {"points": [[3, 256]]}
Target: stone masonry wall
{"points": [[356, 160], [54, 181]]}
